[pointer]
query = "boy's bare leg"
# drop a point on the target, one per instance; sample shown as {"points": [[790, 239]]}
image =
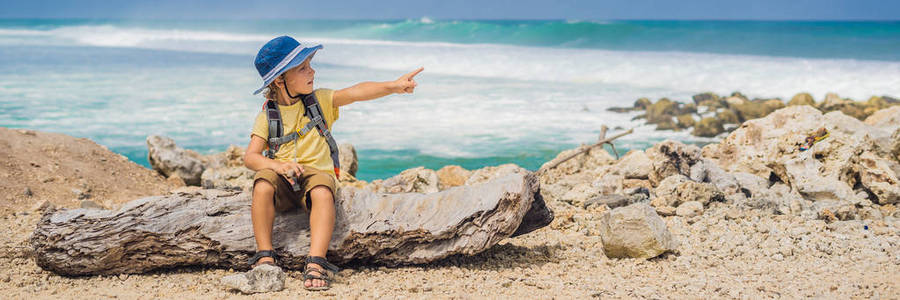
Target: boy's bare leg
{"points": [[262, 214], [321, 226]]}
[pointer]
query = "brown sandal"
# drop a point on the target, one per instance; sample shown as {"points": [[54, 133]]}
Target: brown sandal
{"points": [[327, 273]]}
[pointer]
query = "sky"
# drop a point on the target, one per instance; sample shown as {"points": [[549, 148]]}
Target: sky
{"points": [[462, 9]]}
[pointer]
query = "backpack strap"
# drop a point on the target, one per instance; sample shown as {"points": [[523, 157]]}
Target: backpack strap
{"points": [[275, 129], [294, 135], [314, 113]]}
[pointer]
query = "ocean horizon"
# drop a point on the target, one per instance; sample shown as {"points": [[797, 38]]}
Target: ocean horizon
{"points": [[493, 91]]}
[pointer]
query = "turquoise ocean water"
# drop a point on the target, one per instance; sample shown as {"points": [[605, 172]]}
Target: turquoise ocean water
{"points": [[492, 92]]}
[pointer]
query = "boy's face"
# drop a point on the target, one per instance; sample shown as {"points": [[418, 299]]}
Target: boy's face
{"points": [[300, 79]]}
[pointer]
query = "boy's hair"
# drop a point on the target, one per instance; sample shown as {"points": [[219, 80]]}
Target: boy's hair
{"points": [[271, 92]]}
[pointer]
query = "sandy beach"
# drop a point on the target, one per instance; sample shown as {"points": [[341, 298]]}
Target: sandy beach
{"points": [[727, 253]]}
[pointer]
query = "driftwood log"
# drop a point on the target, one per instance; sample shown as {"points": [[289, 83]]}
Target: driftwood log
{"points": [[213, 228]]}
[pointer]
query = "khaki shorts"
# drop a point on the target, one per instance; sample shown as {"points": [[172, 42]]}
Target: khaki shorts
{"points": [[285, 197]]}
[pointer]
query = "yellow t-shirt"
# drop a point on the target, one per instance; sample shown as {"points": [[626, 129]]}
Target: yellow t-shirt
{"points": [[311, 149]]}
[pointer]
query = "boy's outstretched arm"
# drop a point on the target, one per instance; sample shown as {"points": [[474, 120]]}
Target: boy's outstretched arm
{"points": [[372, 90]]}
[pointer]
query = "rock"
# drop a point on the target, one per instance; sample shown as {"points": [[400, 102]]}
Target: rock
{"points": [[704, 97], [750, 185], [450, 176], [661, 111], [686, 120], [640, 193], [728, 116], [582, 163], [865, 134], [802, 99], [733, 214], [712, 104], [834, 210], [847, 106], [756, 109], [890, 210], [228, 178], [671, 157], [678, 189], [348, 159], [735, 101], [689, 209], [610, 200], [832, 102], [877, 103], [490, 173], [634, 231], [668, 185], [642, 103], [870, 213], [176, 181], [708, 127], [610, 183], [27, 192], [888, 118], [855, 110], [212, 229], [415, 180], [233, 156], [616, 200], [88, 204], [759, 144], [578, 194], [42, 205], [262, 279], [635, 165], [686, 109], [877, 176], [554, 192], [666, 211], [667, 124], [167, 159], [80, 194], [894, 148], [739, 95], [773, 104], [631, 184], [706, 170], [779, 199], [805, 173], [617, 109], [349, 180]]}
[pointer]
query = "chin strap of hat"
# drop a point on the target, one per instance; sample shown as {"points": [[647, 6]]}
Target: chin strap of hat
{"points": [[317, 121]]}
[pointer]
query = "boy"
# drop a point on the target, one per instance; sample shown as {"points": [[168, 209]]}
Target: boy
{"points": [[303, 164]]}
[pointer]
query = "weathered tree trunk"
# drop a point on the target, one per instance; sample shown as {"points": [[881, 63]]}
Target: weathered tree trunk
{"points": [[213, 228]]}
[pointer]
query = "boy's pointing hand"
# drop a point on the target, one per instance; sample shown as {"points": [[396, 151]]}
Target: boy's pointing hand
{"points": [[406, 84]]}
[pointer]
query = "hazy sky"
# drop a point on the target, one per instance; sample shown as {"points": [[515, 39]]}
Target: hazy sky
{"points": [[463, 9]]}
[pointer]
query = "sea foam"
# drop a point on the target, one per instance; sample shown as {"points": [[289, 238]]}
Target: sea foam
{"points": [[473, 101]]}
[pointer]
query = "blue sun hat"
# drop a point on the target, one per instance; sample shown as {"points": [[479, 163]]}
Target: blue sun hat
{"points": [[279, 55]]}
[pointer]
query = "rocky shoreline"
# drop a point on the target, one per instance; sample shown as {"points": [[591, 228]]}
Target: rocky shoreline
{"points": [[750, 216], [710, 115]]}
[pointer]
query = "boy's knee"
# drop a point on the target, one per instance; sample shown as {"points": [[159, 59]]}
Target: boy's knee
{"points": [[321, 193], [263, 186]]}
